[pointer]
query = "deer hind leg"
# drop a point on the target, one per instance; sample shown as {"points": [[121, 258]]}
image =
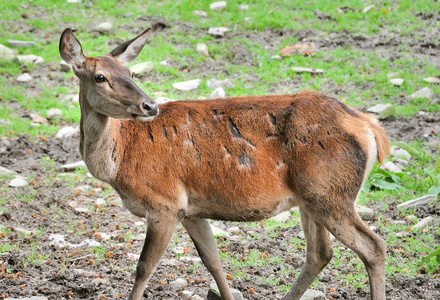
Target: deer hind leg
{"points": [[201, 234], [318, 254], [159, 232]]}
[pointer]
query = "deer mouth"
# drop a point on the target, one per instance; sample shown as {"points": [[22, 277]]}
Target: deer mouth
{"points": [[142, 118]]}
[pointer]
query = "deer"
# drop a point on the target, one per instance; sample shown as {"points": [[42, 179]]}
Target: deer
{"points": [[243, 158]]}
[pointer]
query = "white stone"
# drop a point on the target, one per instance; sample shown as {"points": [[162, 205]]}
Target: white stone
{"points": [[18, 182], [391, 167], [104, 27], [218, 232], [73, 166], [281, 217], [31, 298], [382, 111], [65, 67], [368, 8], [66, 132], [73, 1], [23, 231], [423, 223], [25, 77], [6, 53], [33, 59], [6, 172], [419, 201], [307, 70], [234, 229], [75, 98], [170, 262], [178, 250], [187, 294], [218, 31], [139, 223], [218, 93], [99, 281], [100, 202], [133, 256], [243, 6], [365, 213], [178, 284], [219, 5], [426, 92], [54, 113], [187, 85], [190, 259], [162, 100], [81, 272], [213, 289], [142, 68], [81, 209], [200, 13], [16, 44], [432, 79], [202, 49], [163, 63], [396, 81], [215, 83], [313, 295], [400, 153]]}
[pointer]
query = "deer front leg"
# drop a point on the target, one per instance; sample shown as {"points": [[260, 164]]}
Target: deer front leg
{"points": [[201, 234], [160, 228]]}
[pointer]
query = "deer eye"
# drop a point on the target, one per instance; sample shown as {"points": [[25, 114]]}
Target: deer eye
{"points": [[99, 78]]}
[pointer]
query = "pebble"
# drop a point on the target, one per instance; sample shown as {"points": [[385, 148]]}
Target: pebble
{"points": [[104, 27], [276, 57], [200, 13], [368, 8], [39, 119], [187, 85], [307, 70], [218, 31], [202, 49], [219, 5], [218, 93], [218, 232], [170, 262], [178, 284], [66, 132], [81, 272], [17, 44], [281, 217], [100, 202], [365, 213], [25, 77], [74, 1], [423, 223], [396, 81], [18, 182], [382, 111], [234, 230], [73, 204], [65, 67], [313, 295], [6, 172], [426, 92], [216, 83], [391, 167], [243, 6], [419, 201], [214, 293], [23, 231], [187, 294], [432, 79], [190, 259], [54, 113], [142, 68], [116, 202], [139, 223], [74, 166], [400, 153], [133, 256], [179, 250], [82, 209], [31, 298], [6, 53], [30, 59], [98, 281]]}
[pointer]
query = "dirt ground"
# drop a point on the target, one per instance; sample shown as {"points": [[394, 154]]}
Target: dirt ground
{"points": [[74, 273]]}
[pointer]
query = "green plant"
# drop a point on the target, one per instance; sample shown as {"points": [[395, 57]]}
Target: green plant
{"points": [[383, 180]]}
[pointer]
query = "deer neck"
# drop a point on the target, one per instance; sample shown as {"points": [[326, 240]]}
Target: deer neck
{"points": [[98, 141]]}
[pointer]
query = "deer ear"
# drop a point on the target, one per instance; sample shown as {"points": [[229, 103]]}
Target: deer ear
{"points": [[71, 50], [129, 50]]}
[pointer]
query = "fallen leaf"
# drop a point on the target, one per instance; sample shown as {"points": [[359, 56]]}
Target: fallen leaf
{"points": [[299, 49]]}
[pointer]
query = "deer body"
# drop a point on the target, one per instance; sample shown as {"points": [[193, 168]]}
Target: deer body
{"points": [[238, 159]]}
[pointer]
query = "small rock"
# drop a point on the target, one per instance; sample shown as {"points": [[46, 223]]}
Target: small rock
{"points": [[400, 153], [139, 223], [234, 230], [178, 284], [105, 27], [218, 93], [6, 53], [217, 5], [73, 1], [419, 201], [75, 98], [82, 209], [432, 79], [6, 172], [31, 298], [65, 67], [54, 113], [73, 204], [100, 202], [31, 59], [215, 83], [396, 81], [66, 132], [187, 294], [214, 293], [391, 167], [218, 232], [81, 272], [367, 9], [218, 31], [39, 119], [281, 217], [190, 259], [178, 250], [382, 111], [187, 85], [99, 281], [202, 49], [426, 92], [276, 57], [133, 256], [243, 6], [18, 182], [73, 166], [142, 68], [17, 44], [23, 231], [162, 100], [25, 77], [313, 295], [116, 202], [365, 213], [200, 13], [401, 163], [307, 70], [423, 223], [170, 262]]}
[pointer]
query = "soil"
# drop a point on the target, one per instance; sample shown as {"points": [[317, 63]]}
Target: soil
{"points": [[46, 208]]}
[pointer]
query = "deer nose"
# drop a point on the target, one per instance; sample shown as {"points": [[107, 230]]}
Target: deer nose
{"points": [[150, 108]]}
